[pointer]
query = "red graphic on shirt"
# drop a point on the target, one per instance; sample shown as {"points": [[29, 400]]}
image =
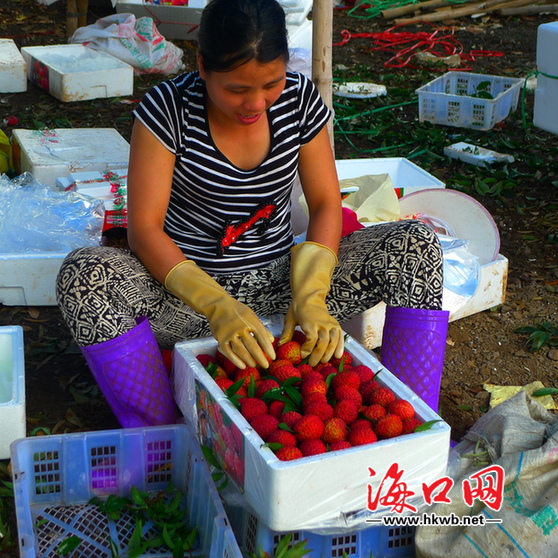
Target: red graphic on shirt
{"points": [[233, 232]]}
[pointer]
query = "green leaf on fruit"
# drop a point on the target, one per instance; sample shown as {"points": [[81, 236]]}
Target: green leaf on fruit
{"points": [[285, 426], [426, 426], [294, 395], [252, 387], [211, 369], [329, 380]]}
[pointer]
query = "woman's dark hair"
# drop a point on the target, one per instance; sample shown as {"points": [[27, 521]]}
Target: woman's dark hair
{"points": [[233, 32]]}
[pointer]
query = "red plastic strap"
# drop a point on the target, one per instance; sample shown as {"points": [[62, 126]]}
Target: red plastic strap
{"points": [[441, 43]]}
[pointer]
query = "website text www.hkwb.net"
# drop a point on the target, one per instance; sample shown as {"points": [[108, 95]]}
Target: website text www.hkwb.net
{"points": [[432, 519]]}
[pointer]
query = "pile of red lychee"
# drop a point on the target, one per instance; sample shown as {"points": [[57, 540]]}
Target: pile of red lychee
{"points": [[299, 410]]}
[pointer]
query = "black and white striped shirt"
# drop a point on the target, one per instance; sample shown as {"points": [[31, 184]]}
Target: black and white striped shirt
{"points": [[225, 218]]}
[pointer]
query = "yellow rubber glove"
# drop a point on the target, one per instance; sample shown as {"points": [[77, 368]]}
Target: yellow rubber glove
{"points": [[312, 266], [241, 336]]}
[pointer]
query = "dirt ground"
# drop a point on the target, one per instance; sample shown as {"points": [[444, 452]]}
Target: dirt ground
{"points": [[482, 348]]}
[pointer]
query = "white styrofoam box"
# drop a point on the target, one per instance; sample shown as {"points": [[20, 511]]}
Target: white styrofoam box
{"points": [[367, 327], [406, 176], [453, 100], [106, 186], [173, 22], [51, 154], [13, 69], [545, 112], [12, 387], [313, 492], [296, 12], [78, 73], [300, 36], [29, 279]]}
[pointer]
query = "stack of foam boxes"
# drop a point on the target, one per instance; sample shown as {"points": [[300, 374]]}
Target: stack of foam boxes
{"points": [[335, 500], [299, 27]]}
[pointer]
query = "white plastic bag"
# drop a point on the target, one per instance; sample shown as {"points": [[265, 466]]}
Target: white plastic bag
{"points": [[520, 436], [134, 41]]}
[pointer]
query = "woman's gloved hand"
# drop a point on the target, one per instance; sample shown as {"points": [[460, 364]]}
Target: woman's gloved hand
{"points": [[241, 336], [312, 266]]}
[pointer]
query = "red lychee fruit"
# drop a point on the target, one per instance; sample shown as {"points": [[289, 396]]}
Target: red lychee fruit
{"points": [[289, 453], [346, 378], [374, 412], [308, 427], [299, 336], [335, 429], [367, 388], [289, 351], [247, 373], [286, 439], [285, 372], [410, 425], [402, 408], [264, 386], [312, 447], [264, 425], [276, 408], [289, 418], [346, 359], [364, 372], [321, 409], [347, 392], [389, 427], [346, 410], [251, 407], [360, 423], [339, 445], [362, 436], [383, 396], [311, 385]]}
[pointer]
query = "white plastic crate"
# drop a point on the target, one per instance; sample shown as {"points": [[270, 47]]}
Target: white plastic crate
{"points": [[312, 492], [449, 100], [78, 73], [53, 153], [12, 387], [13, 70], [56, 476], [376, 541]]}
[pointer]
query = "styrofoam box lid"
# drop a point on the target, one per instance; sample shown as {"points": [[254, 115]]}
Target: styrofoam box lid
{"points": [[58, 152], [403, 173], [76, 59], [332, 487]]}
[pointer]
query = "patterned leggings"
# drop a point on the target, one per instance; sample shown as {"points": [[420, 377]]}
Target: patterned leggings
{"points": [[102, 290]]}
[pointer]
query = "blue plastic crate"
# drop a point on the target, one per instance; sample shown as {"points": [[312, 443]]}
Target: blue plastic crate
{"points": [[56, 476], [377, 541]]}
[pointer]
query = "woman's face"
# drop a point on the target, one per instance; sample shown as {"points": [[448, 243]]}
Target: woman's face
{"points": [[242, 95]]}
